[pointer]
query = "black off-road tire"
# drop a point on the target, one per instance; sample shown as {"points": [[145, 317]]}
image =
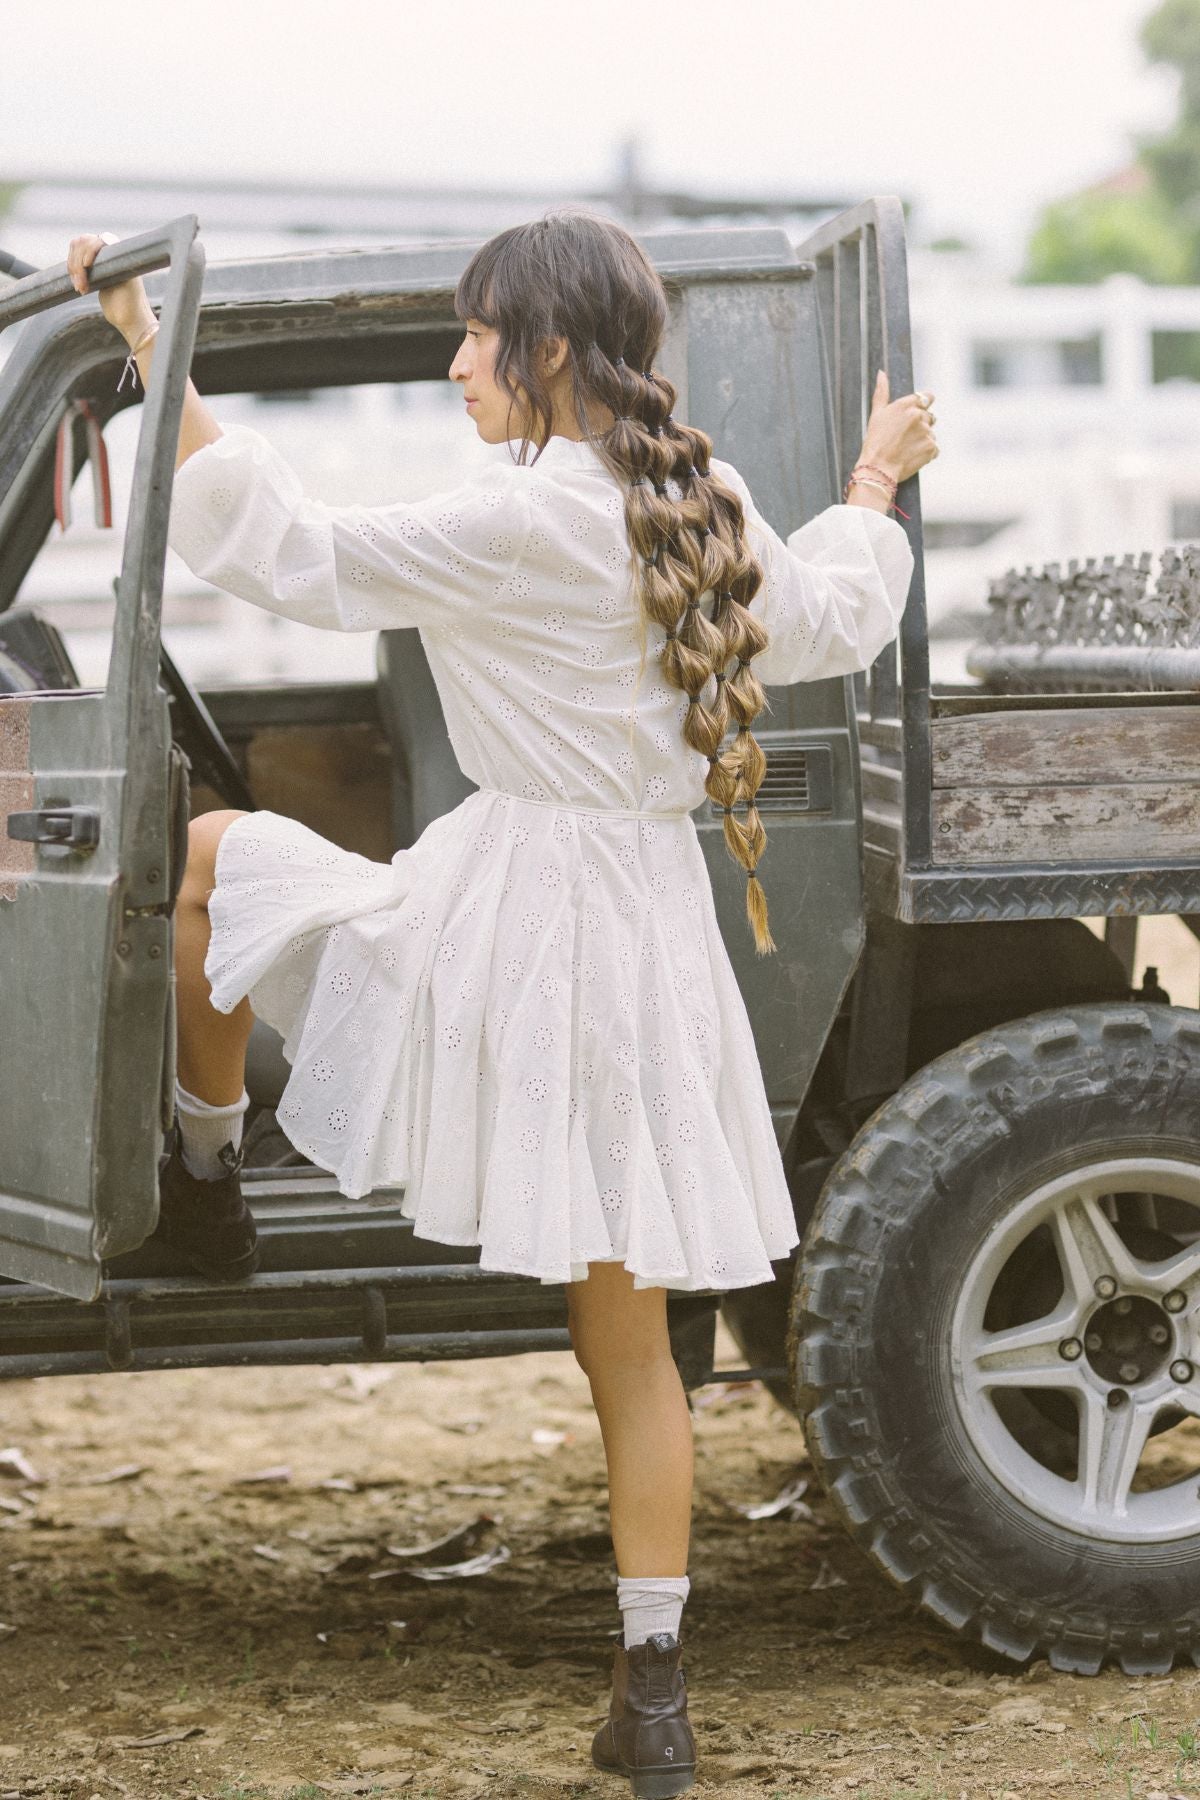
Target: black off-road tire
{"points": [[899, 1219]]}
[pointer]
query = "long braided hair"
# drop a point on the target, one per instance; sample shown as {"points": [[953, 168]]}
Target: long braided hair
{"points": [[580, 278]]}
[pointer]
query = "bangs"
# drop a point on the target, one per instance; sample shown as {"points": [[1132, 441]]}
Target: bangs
{"points": [[482, 284]]}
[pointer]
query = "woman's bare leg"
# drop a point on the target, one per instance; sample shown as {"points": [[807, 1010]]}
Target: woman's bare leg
{"points": [[619, 1335], [211, 1053]]}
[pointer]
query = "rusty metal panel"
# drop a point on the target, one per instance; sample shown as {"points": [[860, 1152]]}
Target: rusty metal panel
{"points": [[16, 790]]}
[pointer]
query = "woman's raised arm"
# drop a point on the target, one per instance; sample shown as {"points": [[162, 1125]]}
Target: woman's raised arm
{"points": [[127, 308]]}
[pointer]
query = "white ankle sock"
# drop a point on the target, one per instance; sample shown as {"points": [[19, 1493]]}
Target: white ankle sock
{"points": [[651, 1603], [204, 1129]]}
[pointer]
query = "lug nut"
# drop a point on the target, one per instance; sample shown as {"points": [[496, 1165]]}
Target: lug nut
{"points": [[1159, 1334], [1124, 1305], [1094, 1341], [1070, 1349], [1117, 1397], [1130, 1372], [1106, 1287], [1181, 1372], [1175, 1301]]}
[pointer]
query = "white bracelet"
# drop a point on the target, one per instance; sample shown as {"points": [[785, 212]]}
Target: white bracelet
{"points": [[130, 364], [865, 481]]}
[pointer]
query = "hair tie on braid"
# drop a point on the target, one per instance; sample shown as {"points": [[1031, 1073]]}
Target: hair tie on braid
{"points": [[672, 634], [620, 363], [647, 374], [693, 699], [744, 663], [693, 600], [727, 809], [720, 676]]}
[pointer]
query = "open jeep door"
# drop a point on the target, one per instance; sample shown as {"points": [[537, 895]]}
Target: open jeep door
{"points": [[93, 808]]}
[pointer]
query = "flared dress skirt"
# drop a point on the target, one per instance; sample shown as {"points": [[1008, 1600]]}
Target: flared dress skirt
{"points": [[527, 1021]]}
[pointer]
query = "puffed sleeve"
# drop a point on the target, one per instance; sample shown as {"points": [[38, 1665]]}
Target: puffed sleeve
{"points": [[240, 519], [832, 595]]}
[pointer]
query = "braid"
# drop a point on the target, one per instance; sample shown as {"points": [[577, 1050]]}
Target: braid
{"points": [[691, 544]]}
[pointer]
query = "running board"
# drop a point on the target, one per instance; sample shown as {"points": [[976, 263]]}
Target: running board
{"points": [[341, 1281]]}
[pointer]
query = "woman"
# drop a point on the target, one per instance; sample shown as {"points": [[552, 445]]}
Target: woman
{"points": [[598, 606]]}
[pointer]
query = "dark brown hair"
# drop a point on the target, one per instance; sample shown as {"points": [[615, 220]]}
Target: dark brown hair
{"points": [[583, 279]]}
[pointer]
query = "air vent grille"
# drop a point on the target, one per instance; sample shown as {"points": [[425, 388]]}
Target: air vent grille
{"points": [[799, 778], [786, 780]]}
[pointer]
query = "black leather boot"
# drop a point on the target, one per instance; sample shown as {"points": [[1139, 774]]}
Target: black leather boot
{"points": [[647, 1735], [207, 1223]]}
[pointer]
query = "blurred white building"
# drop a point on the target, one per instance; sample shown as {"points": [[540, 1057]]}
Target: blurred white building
{"points": [[1067, 419]]}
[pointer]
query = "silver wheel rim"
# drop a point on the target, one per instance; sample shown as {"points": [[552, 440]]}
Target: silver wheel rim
{"points": [[1116, 1416]]}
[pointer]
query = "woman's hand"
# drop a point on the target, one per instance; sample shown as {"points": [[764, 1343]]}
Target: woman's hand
{"points": [[899, 436], [125, 305]]}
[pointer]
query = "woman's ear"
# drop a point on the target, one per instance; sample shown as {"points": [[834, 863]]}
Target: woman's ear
{"points": [[554, 356]]}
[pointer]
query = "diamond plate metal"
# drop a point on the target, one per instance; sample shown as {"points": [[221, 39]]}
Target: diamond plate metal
{"points": [[927, 897]]}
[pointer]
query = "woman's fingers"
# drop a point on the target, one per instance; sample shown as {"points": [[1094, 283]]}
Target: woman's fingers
{"points": [[80, 257]]}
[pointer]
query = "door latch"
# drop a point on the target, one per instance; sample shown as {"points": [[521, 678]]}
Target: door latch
{"points": [[74, 827]]}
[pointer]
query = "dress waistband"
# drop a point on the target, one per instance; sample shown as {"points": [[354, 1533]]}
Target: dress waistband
{"points": [[591, 812]]}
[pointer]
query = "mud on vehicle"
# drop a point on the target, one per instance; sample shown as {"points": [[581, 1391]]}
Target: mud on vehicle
{"points": [[993, 1143]]}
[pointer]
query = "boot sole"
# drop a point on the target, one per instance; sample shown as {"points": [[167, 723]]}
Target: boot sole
{"points": [[227, 1274], [231, 1271], [653, 1784]]}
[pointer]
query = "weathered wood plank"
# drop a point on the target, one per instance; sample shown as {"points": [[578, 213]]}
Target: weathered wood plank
{"points": [[1135, 821], [1108, 744]]}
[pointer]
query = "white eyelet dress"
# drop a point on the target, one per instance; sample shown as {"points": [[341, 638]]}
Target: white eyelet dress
{"points": [[528, 1020]]}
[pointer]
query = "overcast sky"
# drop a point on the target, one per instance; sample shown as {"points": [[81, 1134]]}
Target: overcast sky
{"points": [[976, 112]]}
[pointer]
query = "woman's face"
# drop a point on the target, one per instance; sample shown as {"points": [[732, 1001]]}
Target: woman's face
{"points": [[495, 416]]}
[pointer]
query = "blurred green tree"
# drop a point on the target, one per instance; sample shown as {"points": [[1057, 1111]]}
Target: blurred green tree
{"points": [[1145, 219]]}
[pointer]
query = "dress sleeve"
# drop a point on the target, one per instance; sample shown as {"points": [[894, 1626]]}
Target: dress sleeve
{"points": [[240, 519], [832, 595]]}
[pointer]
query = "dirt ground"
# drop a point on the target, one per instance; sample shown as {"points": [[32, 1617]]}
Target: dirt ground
{"points": [[200, 1598], [205, 1605]]}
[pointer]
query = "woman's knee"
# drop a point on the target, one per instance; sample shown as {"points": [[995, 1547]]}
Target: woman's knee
{"points": [[204, 837], [616, 1328]]}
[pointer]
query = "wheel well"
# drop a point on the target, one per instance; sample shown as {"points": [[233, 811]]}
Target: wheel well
{"points": [[967, 978]]}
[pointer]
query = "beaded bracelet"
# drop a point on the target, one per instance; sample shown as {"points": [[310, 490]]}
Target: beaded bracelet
{"points": [[874, 469], [856, 480]]}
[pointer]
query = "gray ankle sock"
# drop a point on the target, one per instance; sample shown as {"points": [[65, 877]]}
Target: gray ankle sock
{"points": [[205, 1129], [651, 1603]]}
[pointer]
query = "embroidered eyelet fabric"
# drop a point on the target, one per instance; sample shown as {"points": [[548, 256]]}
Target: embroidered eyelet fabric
{"points": [[528, 1019]]}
